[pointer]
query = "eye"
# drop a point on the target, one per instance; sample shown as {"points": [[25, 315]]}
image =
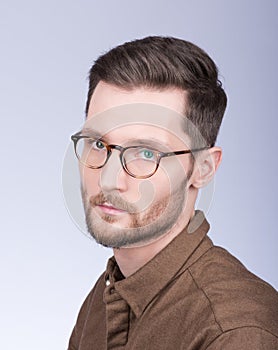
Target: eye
{"points": [[97, 144], [147, 154]]}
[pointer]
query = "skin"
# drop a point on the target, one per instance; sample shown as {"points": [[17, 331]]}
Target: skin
{"points": [[144, 215]]}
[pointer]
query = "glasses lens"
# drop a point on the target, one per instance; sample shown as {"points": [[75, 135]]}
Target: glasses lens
{"points": [[91, 152], [140, 161]]}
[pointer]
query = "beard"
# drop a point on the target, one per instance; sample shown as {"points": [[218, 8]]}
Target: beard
{"points": [[143, 226]]}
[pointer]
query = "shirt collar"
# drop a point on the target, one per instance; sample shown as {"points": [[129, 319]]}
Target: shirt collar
{"points": [[140, 288]]}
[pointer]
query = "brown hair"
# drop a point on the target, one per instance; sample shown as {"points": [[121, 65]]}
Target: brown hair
{"points": [[162, 62]]}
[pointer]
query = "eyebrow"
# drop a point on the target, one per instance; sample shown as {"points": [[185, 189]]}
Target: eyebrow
{"points": [[152, 142], [90, 132]]}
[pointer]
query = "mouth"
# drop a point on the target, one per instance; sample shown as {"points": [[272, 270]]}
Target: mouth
{"points": [[108, 208]]}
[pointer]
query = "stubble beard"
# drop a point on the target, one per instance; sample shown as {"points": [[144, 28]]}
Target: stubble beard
{"points": [[143, 227]]}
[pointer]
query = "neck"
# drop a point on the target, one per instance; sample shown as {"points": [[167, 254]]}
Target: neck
{"points": [[132, 259]]}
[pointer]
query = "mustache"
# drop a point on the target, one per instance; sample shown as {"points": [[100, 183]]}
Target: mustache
{"points": [[114, 200]]}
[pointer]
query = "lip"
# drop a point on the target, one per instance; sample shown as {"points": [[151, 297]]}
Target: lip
{"points": [[109, 209]]}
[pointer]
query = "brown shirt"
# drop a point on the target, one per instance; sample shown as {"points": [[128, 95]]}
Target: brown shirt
{"points": [[191, 295]]}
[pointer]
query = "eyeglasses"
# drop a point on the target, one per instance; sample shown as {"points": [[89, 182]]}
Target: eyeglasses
{"points": [[139, 162]]}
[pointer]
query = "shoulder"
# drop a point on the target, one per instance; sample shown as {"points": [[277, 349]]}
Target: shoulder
{"points": [[238, 299], [85, 310], [95, 293], [245, 338]]}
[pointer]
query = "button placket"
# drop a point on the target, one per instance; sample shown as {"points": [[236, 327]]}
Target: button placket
{"points": [[117, 317]]}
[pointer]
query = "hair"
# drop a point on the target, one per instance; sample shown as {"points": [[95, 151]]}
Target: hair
{"points": [[165, 62]]}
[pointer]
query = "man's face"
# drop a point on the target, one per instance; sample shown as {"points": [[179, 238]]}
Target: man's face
{"points": [[123, 211]]}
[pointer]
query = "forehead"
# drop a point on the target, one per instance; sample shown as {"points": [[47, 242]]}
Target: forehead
{"points": [[107, 96], [137, 112]]}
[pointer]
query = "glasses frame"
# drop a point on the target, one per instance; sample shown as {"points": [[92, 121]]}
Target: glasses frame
{"points": [[76, 137]]}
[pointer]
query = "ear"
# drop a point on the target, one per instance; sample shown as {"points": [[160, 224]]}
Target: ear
{"points": [[205, 167]]}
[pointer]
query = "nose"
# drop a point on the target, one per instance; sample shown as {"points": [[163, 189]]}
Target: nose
{"points": [[112, 175]]}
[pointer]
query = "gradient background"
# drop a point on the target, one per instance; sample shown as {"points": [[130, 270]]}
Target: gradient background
{"points": [[47, 47]]}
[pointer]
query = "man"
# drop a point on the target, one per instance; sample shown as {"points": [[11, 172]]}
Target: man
{"points": [[153, 113]]}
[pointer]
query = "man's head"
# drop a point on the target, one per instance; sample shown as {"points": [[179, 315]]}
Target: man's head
{"points": [[161, 63], [163, 95]]}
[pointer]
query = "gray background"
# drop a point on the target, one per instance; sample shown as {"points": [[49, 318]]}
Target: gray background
{"points": [[47, 265]]}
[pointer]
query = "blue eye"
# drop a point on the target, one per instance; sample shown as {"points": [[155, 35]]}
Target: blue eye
{"points": [[147, 154]]}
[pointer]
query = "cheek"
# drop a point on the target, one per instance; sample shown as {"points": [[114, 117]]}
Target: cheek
{"points": [[155, 190], [168, 176], [177, 170], [89, 179]]}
